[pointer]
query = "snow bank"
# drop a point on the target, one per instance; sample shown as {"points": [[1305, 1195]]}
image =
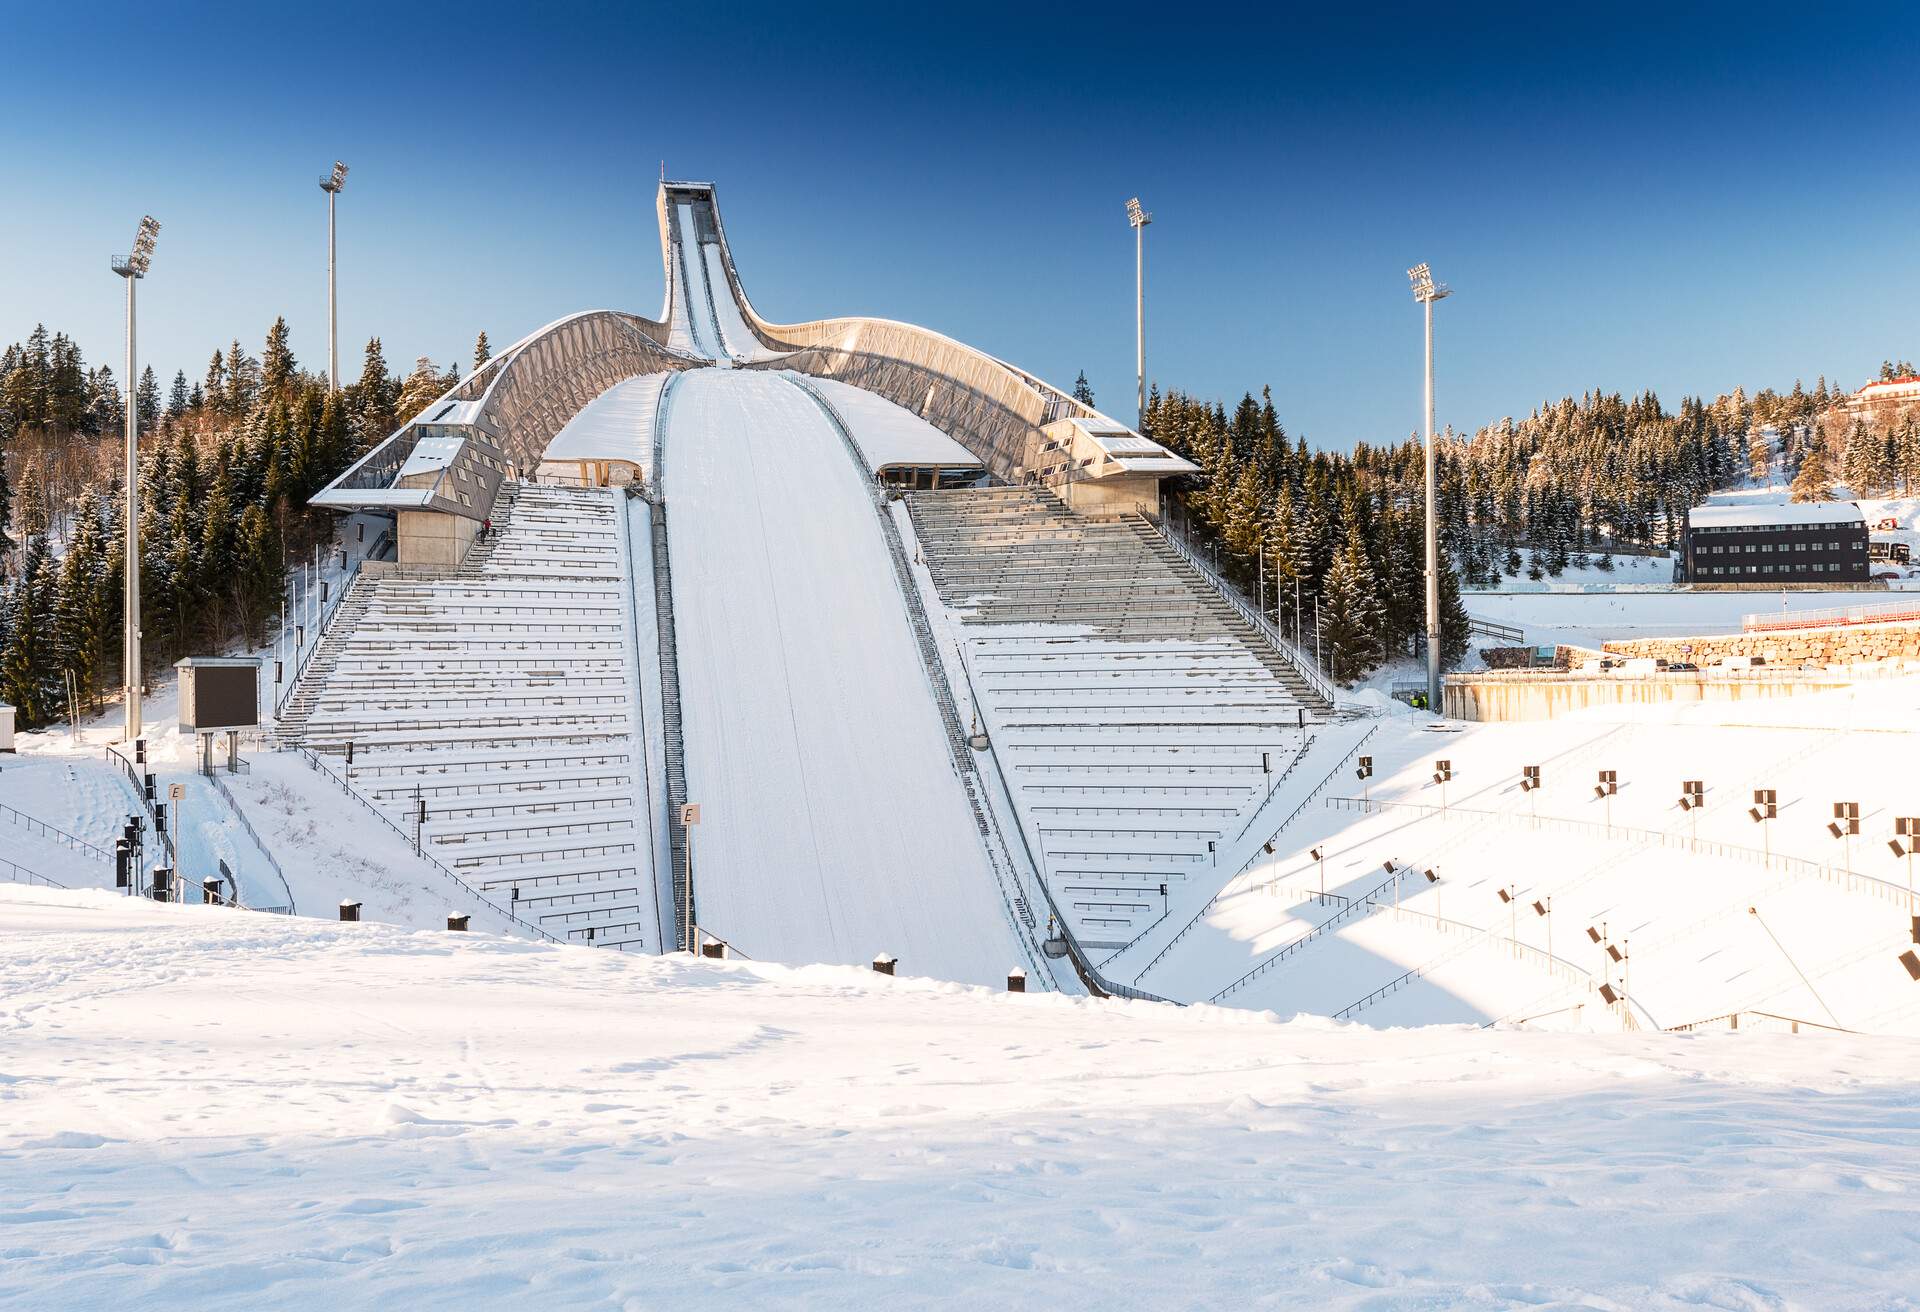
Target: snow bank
{"points": [[292, 1113]]}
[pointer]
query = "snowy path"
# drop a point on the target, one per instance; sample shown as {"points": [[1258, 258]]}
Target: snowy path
{"points": [[293, 1113], [833, 827]]}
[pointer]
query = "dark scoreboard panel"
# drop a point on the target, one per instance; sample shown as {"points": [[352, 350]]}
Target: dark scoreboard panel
{"points": [[221, 697]]}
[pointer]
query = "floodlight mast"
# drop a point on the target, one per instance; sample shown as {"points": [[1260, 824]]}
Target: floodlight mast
{"points": [[332, 185], [133, 268], [1426, 291], [1139, 219]]}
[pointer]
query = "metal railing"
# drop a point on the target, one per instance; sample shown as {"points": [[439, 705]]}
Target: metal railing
{"points": [[19, 874], [1889, 612], [329, 610], [1843, 877], [320, 767], [1247, 865], [1295, 657], [140, 796], [246, 825], [1278, 955], [1509, 633], [1767, 1019], [61, 836]]}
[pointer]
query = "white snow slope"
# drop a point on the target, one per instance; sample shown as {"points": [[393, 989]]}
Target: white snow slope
{"points": [[833, 826], [220, 1110]]}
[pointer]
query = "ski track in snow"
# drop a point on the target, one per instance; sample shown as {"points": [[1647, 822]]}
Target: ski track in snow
{"points": [[833, 824], [220, 1110]]}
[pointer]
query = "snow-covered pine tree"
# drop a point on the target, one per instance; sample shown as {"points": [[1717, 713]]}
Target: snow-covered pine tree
{"points": [[1352, 618], [214, 389], [1759, 457], [1814, 482], [1082, 389], [276, 359], [482, 351], [148, 396], [423, 385], [27, 664]]}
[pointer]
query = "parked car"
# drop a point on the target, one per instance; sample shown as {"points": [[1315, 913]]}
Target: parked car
{"points": [[1682, 667]]}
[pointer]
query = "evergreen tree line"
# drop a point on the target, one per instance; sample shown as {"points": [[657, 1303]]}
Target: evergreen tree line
{"points": [[1569, 483], [226, 467], [1333, 541]]}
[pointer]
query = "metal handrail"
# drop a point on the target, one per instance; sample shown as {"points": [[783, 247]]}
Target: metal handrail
{"points": [[233, 805], [313, 761], [20, 874], [1286, 950], [1295, 657], [1844, 877], [1889, 612], [46, 830], [327, 614], [1248, 864], [140, 796], [1733, 1019]]}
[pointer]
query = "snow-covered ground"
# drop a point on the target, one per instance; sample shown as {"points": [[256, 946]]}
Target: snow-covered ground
{"points": [[833, 826], [216, 1110], [1714, 913]]}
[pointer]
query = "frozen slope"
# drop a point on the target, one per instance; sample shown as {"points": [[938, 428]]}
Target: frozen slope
{"points": [[833, 826]]}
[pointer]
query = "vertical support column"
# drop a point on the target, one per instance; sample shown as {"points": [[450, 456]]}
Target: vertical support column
{"points": [[333, 328], [1433, 541], [130, 654]]}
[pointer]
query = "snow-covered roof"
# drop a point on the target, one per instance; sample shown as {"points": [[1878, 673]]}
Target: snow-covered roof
{"points": [[1128, 452], [432, 454], [1737, 515], [615, 425], [889, 435], [449, 412]]}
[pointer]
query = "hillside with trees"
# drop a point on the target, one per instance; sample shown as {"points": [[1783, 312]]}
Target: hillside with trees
{"points": [[1568, 485], [227, 463]]}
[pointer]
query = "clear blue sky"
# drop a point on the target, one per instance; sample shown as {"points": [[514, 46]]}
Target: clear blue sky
{"points": [[1682, 198]]}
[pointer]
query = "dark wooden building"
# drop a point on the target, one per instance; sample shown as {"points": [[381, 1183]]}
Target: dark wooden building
{"points": [[1814, 542]]}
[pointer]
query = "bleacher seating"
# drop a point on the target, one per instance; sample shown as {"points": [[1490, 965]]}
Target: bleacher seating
{"points": [[1132, 707], [500, 696]]}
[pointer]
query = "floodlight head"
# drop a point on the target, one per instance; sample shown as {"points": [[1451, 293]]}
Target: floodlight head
{"points": [[1505, 896], [1897, 849], [1424, 287], [1136, 216], [337, 180], [1314, 852], [1835, 829], [136, 264], [1539, 908], [1431, 877], [1754, 811]]}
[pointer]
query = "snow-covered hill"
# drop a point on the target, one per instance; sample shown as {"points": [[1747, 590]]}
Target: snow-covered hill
{"points": [[211, 1109]]}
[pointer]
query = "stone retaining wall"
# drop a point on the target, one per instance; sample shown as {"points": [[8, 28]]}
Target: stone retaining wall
{"points": [[1843, 644]]}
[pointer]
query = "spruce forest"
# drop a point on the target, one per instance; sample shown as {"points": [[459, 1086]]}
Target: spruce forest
{"points": [[1573, 484], [227, 463]]}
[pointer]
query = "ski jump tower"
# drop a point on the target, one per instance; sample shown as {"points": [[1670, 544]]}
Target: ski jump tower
{"points": [[441, 472]]}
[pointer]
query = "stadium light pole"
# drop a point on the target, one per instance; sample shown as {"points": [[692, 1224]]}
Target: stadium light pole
{"points": [[331, 184], [1139, 219], [133, 268], [1426, 291]]}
